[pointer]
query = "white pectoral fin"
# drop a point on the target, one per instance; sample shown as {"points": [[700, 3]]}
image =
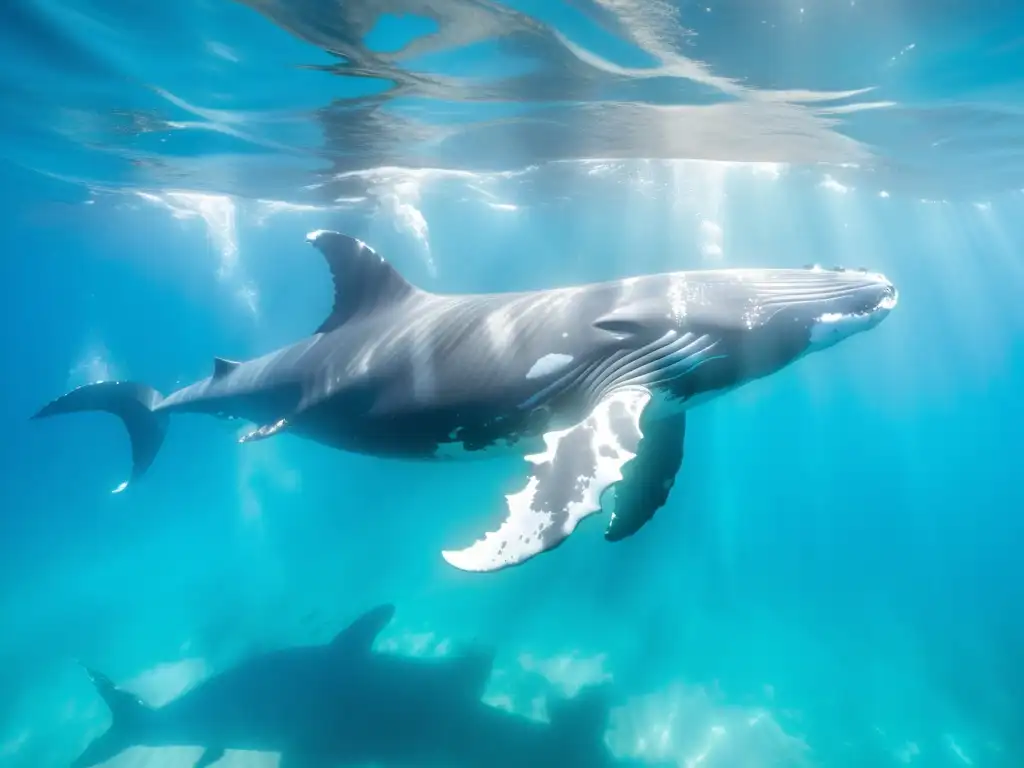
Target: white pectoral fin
{"points": [[565, 484]]}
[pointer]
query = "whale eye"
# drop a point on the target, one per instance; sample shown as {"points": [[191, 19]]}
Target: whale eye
{"points": [[636, 319], [619, 326]]}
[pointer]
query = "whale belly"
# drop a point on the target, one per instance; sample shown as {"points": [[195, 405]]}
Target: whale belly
{"points": [[510, 445]]}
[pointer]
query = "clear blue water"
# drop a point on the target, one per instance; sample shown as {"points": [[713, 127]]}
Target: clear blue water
{"points": [[835, 580]]}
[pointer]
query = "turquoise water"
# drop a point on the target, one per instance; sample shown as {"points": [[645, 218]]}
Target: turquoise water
{"points": [[835, 580]]}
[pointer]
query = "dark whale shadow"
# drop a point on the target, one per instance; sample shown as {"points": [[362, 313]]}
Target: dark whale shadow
{"points": [[342, 703]]}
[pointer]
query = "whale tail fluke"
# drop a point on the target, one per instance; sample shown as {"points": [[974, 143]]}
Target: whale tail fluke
{"points": [[131, 718], [134, 403]]}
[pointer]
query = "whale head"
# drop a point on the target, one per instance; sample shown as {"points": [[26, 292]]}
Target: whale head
{"points": [[696, 334]]}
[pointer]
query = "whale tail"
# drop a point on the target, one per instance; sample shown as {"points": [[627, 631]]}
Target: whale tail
{"points": [[134, 403], [131, 719]]}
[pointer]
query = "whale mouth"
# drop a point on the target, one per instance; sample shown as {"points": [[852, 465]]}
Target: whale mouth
{"points": [[885, 300], [889, 302], [875, 298]]}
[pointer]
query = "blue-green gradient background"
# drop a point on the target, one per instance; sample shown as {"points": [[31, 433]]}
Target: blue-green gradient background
{"points": [[835, 581]]}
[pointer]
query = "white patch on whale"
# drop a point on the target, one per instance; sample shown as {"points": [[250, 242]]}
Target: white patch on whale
{"points": [[571, 474], [551, 362]]}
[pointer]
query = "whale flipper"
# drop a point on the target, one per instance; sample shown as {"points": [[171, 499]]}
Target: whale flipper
{"points": [[565, 485], [585, 715], [133, 403], [648, 479], [474, 666], [210, 756], [363, 281]]}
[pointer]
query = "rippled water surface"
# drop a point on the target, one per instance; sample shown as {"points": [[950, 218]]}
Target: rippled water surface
{"points": [[315, 101]]}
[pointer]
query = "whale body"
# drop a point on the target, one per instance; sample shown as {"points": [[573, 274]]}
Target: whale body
{"points": [[591, 384]]}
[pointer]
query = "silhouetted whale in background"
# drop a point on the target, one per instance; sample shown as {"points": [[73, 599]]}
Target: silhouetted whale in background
{"points": [[591, 383], [343, 704]]}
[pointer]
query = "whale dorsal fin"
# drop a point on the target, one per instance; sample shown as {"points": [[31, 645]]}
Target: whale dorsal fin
{"points": [[358, 637], [222, 366], [363, 281]]}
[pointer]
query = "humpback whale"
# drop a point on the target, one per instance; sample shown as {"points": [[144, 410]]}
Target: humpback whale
{"points": [[591, 384], [342, 703]]}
